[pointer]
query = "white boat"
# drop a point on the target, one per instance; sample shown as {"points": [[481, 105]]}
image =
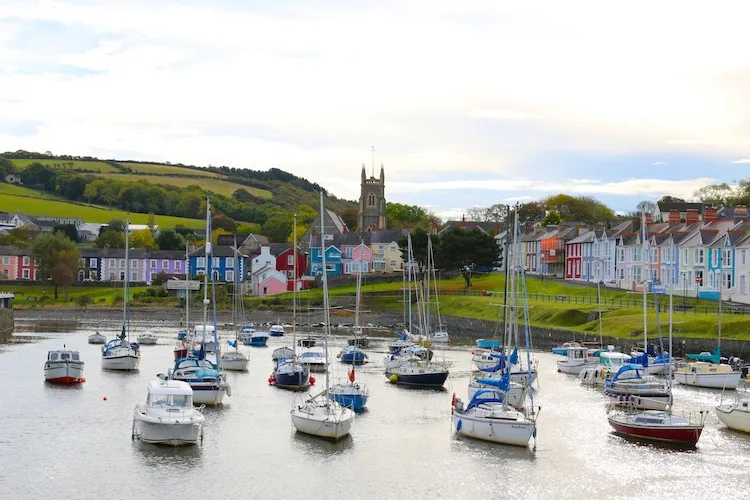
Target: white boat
{"points": [[120, 354], [282, 353], [516, 393], [576, 359], [97, 338], [631, 387], [168, 416], [489, 419], [320, 416], [234, 361], [147, 338], [440, 337], [276, 330], [736, 414], [63, 367], [314, 360], [609, 363], [703, 374], [197, 337]]}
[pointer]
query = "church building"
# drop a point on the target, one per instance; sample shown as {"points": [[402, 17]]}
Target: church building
{"points": [[371, 215]]}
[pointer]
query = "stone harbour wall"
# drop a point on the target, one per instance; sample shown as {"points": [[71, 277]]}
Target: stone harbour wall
{"points": [[6, 321]]}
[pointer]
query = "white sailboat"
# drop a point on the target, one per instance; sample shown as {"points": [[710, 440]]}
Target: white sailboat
{"points": [[234, 359], [489, 415], [319, 415], [119, 353]]}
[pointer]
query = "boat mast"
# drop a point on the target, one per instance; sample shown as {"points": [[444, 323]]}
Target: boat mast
{"points": [[125, 291], [209, 264], [294, 286], [671, 317], [427, 307], [359, 293], [238, 316], [326, 312], [720, 276], [646, 261], [410, 257], [187, 290]]}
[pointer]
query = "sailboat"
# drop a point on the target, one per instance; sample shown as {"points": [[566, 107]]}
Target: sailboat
{"points": [[208, 382], [406, 369], [352, 353], [234, 359], [182, 347], [288, 372], [713, 373], [321, 416], [489, 415], [664, 426], [119, 353], [352, 394]]}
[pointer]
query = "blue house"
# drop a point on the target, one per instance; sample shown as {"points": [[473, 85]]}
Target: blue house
{"points": [[224, 266], [334, 264]]}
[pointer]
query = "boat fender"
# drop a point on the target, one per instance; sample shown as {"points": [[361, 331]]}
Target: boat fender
{"points": [[102, 348], [338, 355], [603, 374], [83, 379], [453, 402], [312, 380], [458, 426], [393, 378], [271, 380]]}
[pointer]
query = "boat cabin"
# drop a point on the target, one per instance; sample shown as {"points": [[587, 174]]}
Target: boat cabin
{"points": [[168, 394], [63, 356], [613, 360]]}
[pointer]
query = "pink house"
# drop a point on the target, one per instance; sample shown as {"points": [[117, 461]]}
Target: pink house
{"points": [[9, 263], [268, 281], [361, 260]]}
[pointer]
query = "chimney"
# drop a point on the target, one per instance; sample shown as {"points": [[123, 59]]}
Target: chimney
{"points": [[674, 217], [709, 214], [692, 216], [740, 213]]}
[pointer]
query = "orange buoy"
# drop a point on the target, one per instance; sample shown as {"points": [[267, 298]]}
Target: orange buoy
{"points": [[104, 398], [312, 380], [83, 379]]}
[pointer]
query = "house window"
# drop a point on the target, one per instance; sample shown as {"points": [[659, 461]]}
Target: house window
{"points": [[92, 275], [685, 256], [726, 280], [122, 262], [134, 276], [25, 274], [230, 262], [621, 274], [290, 260], [265, 290], [715, 258], [133, 263], [290, 274], [394, 248], [328, 237], [178, 265], [621, 254], [153, 263], [217, 261], [92, 262], [112, 263], [330, 267], [6, 260], [165, 264], [393, 263], [726, 257], [698, 256], [201, 262], [348, 252], [26, 261], [229, 275], [122, 275], [215, 275], [5, 273]]}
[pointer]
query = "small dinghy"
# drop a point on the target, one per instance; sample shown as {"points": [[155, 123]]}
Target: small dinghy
{"points": [[97, 338]]}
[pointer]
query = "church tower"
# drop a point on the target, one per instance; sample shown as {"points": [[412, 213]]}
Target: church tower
{"points": [[372, 200]]}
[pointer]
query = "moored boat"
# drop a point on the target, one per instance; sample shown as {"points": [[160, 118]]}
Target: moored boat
{"points": [[209, 385], [276, 330], [487, 417], [576, 359], [703, 374], [609, 364], [168, 416], [352, 355], [97, 338], [147, 338], [658, 425], [314, 360], [631, 387], [736, 414], [256, 339], [488, 343], [63, 367]]}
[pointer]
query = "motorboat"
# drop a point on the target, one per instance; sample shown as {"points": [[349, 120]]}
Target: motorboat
{"points": [[314, 360], [631, 387], [489, 418], [119, 354], [63, 367], [576, 359], [352, 355], [418, 373], [276, 331], [703, 374], [147, 338], [609, 363], [256, 339], [168, 416], [736, 414], [563, 349], [209, 385], [398, 345], [182, 334], [361, 342], [97, 338], [308, 341], [246, 331], [658, 425], [181, 350]]}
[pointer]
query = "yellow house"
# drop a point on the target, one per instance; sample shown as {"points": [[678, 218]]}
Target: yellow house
{"points": [[386, 254]]}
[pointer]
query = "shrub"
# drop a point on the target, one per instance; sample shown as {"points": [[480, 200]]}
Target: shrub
{"points": [[84, 300]]}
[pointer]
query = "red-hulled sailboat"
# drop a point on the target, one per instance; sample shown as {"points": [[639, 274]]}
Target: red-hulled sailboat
{"points": [[661, 426]]}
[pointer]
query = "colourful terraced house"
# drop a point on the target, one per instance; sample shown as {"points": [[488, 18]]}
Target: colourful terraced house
{"points": [[333, 258], [223, 265], [9, 263]]}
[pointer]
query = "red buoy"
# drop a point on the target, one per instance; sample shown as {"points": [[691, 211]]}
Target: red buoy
{"points": [[104, 398], [312, 380], [271, 380]]}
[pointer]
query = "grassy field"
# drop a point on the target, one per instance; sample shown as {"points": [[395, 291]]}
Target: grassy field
{"points": [[29, 193], [153, 168], [216, 185], [93, 166], [34, 206], [27, 297]]}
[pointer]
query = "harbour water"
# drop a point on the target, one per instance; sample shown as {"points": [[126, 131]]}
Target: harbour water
{"points": [[69, 442]]}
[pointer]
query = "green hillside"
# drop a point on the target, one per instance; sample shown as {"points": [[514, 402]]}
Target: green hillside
{"points": [[161, 169], [89, 213], [71, 165], [215, 185]]}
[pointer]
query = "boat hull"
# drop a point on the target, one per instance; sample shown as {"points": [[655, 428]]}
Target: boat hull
{"points": [[356, 402], [128, 362], [720, 380], [170, 432], [295, 381], [511, 432], [62, 372], [256, 341], [734, 418], [488, 343], [328, 428], [236, 365], [208, 394], [97, 339], [414, 379], [682, 435], [573, 368], [315, 367], [357, 358]]}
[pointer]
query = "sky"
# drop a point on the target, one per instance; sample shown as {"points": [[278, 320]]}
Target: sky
{"points": [[467, 103]]}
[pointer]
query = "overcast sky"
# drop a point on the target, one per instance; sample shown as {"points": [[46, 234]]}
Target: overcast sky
{"points": [[468, 103]]}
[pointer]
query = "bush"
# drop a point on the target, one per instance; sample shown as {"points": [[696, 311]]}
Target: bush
{"points": [[84, 300]]}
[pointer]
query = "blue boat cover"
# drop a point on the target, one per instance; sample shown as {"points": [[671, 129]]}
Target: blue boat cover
{"points": [[713, 357], [499, 366], [481, 397], [641, 359], [502, 383], [205, 373], [662, 359], [633, 370], [232, 344]]}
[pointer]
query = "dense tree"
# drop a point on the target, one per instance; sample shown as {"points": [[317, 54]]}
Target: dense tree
{"points": [[19, 236], [351, 218], [464, 249], [552, 217], [224, 222], [400, 215], [645, 206], [419, 239], [169, 239], [278, 228], [579, 208], [726, 195], [670, 199], [68, 230], [143, 238], [248, 228], [57, 258], [110, 239], [37, 174], [528, 213], [114, 225], [6, 168]]}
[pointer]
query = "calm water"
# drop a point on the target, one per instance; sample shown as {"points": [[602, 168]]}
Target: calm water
{"points": [[60, 442]]}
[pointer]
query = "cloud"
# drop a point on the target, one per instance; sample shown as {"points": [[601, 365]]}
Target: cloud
{"points": [[657, 163], [499, 114], [741, 161]]}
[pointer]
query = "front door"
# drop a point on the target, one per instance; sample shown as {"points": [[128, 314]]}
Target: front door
{"points": [[743, 290]]}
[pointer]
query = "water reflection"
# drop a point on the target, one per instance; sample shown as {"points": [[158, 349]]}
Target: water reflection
{"points": [[156, 455], [476, 447], [316, 446], [654, 445]]}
